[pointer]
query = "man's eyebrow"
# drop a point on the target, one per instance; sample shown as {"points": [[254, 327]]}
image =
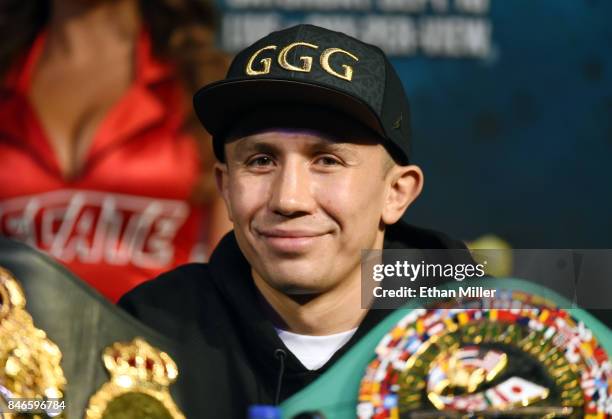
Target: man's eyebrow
{"points": [[332, 146], [261, 146], [254, 146]]}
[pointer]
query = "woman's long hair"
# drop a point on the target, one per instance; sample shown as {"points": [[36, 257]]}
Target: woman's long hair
{"points": [[182, 31]]}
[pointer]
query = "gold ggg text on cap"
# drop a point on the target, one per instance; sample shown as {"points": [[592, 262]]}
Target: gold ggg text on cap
{"points": [[305, 61]]}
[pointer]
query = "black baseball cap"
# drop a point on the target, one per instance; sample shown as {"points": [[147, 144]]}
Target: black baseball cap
{"points": [[309, 65]]}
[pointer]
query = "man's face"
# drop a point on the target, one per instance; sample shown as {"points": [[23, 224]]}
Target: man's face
{"points": [[304, 201]]}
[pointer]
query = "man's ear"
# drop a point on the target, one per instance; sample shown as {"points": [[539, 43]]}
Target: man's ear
{"points": [[221, 178], [404, 185]]}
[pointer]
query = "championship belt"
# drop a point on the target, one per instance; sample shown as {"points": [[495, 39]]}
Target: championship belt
{"points": [[508, 355], [516, 355], [66, 352]]}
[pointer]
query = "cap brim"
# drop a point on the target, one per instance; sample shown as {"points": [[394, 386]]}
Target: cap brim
{"points": [[220, 104]]}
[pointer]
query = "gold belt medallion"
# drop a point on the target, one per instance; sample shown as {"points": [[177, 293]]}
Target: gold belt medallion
{"points": [[139, 384], [29, 361]]}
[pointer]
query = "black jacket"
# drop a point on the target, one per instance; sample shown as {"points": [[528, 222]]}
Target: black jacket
{"points": [[230, 356]]}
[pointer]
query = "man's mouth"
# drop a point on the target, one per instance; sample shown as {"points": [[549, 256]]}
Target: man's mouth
{"points": [[290, 241]]}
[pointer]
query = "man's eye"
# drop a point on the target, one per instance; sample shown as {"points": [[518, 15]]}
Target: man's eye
{"points": [[260, 161], [328, 161]]}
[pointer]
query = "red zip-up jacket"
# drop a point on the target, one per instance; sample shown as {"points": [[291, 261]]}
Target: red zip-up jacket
{"points": [[125, 218]]}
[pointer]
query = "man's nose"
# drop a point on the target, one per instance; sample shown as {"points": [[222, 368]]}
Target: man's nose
{"points": [[292, 190]]}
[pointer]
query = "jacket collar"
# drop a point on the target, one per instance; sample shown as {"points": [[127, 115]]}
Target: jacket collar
{"points": [[19, 76]]}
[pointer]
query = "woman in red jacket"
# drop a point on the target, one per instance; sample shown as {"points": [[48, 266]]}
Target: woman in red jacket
{"points": [[101, 162]]}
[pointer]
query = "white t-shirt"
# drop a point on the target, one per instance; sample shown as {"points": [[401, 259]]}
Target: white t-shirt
{"points": [[314, 351]]}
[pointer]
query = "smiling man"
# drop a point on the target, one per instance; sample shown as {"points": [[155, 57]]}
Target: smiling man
{"points": [[311, 130]]}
